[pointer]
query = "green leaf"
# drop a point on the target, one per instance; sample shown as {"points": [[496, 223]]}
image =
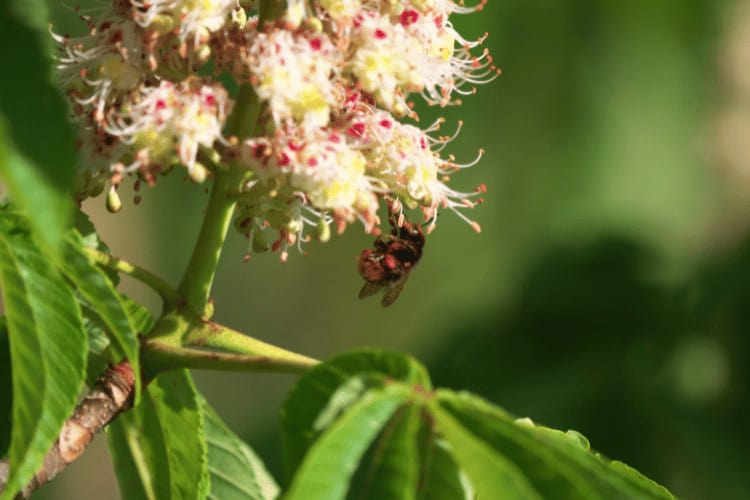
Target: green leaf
{"points": [[140, 317], [554, 462], [6, 388], [236, 472], [441, 479], [312, 394], [90, 239], [160, 447], [139, 454], [491, 474], [331, 462], [96, 288], [391, 469], [100, 352], [47, 349], [37, 155], [89, 236], [35, 14], [182, 423], [372, 436], [268, 486]]}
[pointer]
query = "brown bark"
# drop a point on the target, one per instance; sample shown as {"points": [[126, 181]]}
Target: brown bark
{"points": [[112, 394]]}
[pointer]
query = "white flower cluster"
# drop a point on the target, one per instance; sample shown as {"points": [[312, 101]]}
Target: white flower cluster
{"points": [[331, 79], [132, 80]]}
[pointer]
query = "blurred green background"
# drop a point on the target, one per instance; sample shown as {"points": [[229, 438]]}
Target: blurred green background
{"points": [[609, 291]]}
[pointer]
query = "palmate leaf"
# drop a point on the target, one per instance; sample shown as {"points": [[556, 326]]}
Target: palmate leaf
{"points": [[554, 462], [135, 441], [90, 240], [139, 453], [172, 445], [312, 394], [109, 306], [47, 348], [398, 439], [390, 469], [101, 353], [491, 474], [235, 470], [100, 356], [6, 388], [441, 479], [335, 456], [183, 426], [37, 156], [159, 447]]}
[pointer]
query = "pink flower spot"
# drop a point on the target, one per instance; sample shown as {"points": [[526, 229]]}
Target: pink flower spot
{"points": [[316, 43], [409, 17], [356, 130]]}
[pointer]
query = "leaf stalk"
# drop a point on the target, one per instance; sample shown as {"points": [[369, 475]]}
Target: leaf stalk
{"points": [[159, 285]]}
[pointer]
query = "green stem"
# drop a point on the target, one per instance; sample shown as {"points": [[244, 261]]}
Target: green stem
{"points": [[243, 121], [196, 283], [164, 289], [269, 10], [195, 287], [179, 342], [168, 357]]}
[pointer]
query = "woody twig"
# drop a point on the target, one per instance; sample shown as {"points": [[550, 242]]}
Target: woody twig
{"points": [[111, 395]]}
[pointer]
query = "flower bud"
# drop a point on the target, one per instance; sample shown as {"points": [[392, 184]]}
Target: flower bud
{"points": [[114, 204], [198, 173], [261, 241], [239, 17], [314, 24], [294, 14], [279, 219], [323, 231], [162, 24], [293, 226]]}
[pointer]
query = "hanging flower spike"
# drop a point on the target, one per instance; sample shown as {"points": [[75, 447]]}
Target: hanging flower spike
{"points": [[332, 79]]}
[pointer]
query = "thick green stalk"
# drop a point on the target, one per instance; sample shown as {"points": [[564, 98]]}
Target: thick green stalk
{"points": [[269, 10], [195, 287], [176, 336], [243, 121], [168, 357], [217, 336]]}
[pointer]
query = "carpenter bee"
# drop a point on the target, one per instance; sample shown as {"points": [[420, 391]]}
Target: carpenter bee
{"points": [[387, 265]]}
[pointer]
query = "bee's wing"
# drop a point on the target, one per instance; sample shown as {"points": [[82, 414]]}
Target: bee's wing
{"points": [[392, 292], [369, 289]]}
